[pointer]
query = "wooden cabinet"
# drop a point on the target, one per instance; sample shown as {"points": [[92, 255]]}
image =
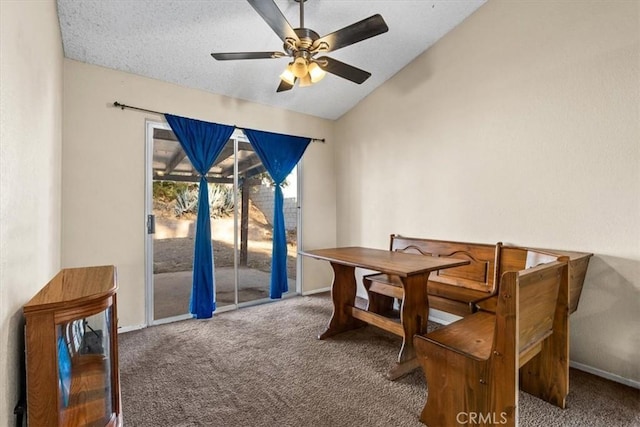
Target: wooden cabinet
{"points": [[72, 350]]}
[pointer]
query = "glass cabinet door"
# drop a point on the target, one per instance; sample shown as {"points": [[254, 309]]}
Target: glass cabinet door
{"points": [[85, 391]]}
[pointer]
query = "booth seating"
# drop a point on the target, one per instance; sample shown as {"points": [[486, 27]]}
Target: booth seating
{"points": [[460, 358], [476, 366], [466, 289], [454, 290]]}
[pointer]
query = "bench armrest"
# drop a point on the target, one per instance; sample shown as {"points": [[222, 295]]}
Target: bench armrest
{"points": [[488, 304]]}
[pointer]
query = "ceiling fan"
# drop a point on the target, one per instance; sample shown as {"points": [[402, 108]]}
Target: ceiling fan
{"points": [[303, 44]]}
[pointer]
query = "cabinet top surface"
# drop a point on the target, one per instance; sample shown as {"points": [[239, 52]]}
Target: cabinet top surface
{"points": [[74, 285]]}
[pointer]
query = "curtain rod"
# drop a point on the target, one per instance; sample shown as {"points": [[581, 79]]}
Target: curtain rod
{"points": [[123, 106]]}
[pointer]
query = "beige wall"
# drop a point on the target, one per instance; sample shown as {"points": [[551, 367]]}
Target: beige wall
{"points": [[521, 126], [536, 101], [103, 160], [30, 141]]}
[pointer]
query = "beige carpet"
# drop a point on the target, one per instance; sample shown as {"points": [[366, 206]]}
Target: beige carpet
{"points": [[263, 366]]}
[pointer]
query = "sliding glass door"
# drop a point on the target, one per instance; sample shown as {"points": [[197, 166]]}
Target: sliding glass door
{"points": [[241, 204]]}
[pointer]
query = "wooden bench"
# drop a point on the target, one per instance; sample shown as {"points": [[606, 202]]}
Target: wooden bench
{"points": [[464, 290], [472, 365], [454, 290]]}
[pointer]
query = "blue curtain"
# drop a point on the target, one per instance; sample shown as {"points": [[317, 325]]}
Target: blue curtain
{"points": [[203, 142], [279, 154]]}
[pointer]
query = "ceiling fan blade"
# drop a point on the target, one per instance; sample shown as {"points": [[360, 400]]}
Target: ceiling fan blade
{"points": [[343, 70], [284, 86], [247, 55], [367, 28], [274, 17]]}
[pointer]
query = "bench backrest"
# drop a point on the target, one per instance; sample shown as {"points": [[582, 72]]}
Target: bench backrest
{"points": [[517, 258], [513, 258], [531, 297], [480, 274]]}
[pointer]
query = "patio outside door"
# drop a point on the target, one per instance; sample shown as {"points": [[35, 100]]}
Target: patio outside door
{"points": [[241, 204]]}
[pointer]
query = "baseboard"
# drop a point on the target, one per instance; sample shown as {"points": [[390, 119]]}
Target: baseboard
{"points": [[124, 329], [604, 374], [316, 291]]}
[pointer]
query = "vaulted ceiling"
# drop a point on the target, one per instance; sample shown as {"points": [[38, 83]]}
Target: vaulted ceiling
{"points": [[172, 41]]}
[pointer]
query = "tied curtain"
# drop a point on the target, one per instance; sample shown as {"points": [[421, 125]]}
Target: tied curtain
{"points": [[202, 142], [279, 155]]}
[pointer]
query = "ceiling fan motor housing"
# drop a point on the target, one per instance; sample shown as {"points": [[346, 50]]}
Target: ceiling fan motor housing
{"points": [[306, 37]]}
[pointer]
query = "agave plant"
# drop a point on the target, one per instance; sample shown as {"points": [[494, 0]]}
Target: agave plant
{"points": [[186, 201], [220, 200]]}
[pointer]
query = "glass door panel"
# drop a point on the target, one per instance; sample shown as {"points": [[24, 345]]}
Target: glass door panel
{"points": [[222, 206], [256, 229], [174, 206]]}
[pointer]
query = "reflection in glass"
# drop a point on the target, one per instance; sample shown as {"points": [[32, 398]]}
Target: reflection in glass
{"points": [[84, 370]]}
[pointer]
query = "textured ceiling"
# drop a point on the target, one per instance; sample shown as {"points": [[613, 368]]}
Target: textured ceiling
{"points": [[172, 41]]}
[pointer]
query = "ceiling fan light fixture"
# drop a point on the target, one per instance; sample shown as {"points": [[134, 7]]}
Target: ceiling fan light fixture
{"points": [[299, 67], [316, 73], [305, 81], [288, 76]]}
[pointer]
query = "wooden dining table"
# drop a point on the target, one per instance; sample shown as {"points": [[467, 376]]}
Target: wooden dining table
{"points": [[413, 271]]}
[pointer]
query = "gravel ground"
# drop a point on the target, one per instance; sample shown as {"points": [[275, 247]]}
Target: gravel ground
{"points": [[174, 242]]}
